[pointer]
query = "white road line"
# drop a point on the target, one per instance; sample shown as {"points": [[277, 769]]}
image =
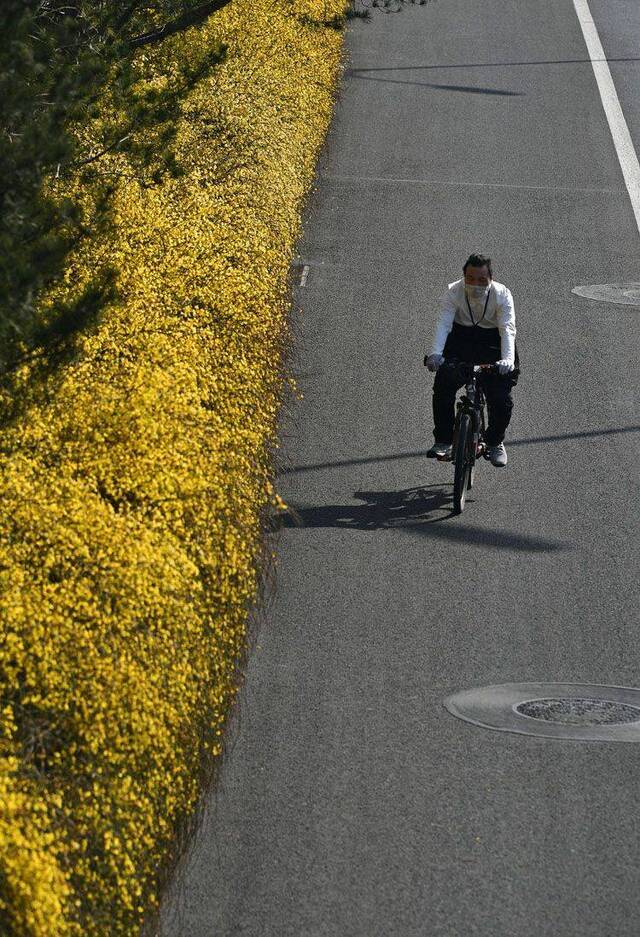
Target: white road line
{"points": [[490, 185], [617, 124], [305, 273]]}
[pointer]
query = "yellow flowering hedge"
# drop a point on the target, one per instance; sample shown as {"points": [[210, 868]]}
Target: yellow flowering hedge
{"points": [[133, 480]]}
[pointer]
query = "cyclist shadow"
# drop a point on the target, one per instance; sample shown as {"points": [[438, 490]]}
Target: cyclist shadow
{"points": [[380, 509], [417, 511]]}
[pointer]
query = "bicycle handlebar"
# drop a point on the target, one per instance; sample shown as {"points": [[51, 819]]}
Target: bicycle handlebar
{"points": [[457, 364]]}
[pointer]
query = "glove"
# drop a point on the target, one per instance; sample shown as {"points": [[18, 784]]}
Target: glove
{"points": [[433, 362], [504, 366]]}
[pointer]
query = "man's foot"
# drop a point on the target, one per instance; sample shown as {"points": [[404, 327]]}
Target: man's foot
{"points": [[497, 455], [440, 450]]}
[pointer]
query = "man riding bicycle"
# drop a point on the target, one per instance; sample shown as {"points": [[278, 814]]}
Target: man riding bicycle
{"points": [[477, 324]]}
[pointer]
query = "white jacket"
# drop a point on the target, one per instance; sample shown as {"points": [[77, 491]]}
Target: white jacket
{"points": [[500, 314]]}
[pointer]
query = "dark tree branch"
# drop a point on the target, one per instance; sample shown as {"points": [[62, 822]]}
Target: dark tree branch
{"points": [[91, 159], [190, 18]]}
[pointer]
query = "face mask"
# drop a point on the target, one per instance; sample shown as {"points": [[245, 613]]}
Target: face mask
{"points": [[476, 292]]}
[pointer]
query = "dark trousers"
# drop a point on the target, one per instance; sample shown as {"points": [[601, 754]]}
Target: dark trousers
{"points": [[497, 390], [479, 346]]}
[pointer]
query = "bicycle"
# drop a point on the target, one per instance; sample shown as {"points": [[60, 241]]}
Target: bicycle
{"points": [[468, 431]]}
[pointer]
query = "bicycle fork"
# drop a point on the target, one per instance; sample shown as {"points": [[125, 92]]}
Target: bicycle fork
{"points": [[476, 413]]}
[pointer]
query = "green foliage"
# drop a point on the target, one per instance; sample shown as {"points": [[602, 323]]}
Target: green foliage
{"points": [[56, 63]]}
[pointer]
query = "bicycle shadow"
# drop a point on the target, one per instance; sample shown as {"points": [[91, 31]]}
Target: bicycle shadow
{"points": [[381, 509], [417, 511]]}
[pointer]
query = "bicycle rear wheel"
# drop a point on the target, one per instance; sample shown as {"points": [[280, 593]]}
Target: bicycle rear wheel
{"points": [[463, 463]]}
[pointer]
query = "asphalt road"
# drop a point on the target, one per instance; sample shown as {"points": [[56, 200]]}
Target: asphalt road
{"points": [[352, 804]]}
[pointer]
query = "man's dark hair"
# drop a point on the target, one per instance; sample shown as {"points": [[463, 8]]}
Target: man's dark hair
{"points": [[478, 260]]}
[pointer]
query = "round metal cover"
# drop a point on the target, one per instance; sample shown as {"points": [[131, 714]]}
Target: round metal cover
{"points": [[627, 294], [585, 712], [579, 711]]}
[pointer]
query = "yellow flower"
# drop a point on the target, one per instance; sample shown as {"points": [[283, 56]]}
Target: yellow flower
{"points": [[133, 486]]}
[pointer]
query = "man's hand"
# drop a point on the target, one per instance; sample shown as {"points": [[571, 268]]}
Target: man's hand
{"points": [[433, 362], [504, 366]]}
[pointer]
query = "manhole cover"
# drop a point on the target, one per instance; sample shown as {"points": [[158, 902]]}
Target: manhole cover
{"points": [[579, 712], [627, 294], [585, 712]]}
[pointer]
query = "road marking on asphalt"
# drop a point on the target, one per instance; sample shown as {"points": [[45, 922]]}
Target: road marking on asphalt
{"points": [[305, 274], [491, 185], [617, 124]]}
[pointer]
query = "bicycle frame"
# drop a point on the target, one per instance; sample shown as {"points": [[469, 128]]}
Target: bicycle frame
{"points": [[468, 443], [468, 432], [473, 403]]}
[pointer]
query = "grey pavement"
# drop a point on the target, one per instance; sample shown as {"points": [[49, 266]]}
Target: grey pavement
{"points": [[351, 803]]}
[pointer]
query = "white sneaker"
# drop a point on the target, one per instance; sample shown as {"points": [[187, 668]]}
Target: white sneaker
{"points": [[440, 450], [497, 455]]}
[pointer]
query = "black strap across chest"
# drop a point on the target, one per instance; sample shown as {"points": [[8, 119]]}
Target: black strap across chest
{"points": [[486, 302]]}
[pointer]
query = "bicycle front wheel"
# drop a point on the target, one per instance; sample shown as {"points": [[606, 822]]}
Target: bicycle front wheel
{"points": [[475, 442], [462, 456]]}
